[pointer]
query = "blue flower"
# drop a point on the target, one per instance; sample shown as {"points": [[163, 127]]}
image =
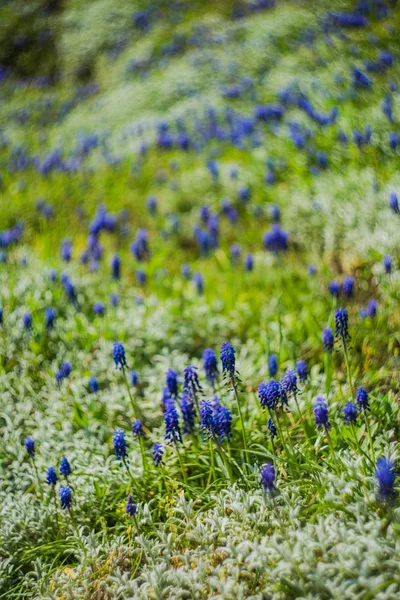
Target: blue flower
{"points": [[49, 318], [206, 417], [140, 277], [115, 267], [221, 420], [362, 399], [276, 239], [385, 474], [341, 324], [29, 444], [268, 477], [372, 308], [131, 507], [360, 79], [387, 264], [65, 496], [99, 308], [272, 428], [120, 444], [350, 413], [186, 271], [119, 355], [27, 320], [394, 203], [65, 467], [151, 204], [137, 428], [249, 262], [63, 372], [66, 250], [134, 378], [191, 382], [348, 286], [271, 393], [171, 420], [210, 365], [321, 414], [198, 281], [228, 359], [157, 452], [93, 385], [289, 382], [114, 300], [302, 370], [188, 413], [171, 381], [334, 288], [1, 315], [51, 476], [272, 365], [327, 338]]}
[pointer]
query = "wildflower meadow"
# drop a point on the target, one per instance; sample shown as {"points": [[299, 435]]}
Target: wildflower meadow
{"points": [[199, 299]]}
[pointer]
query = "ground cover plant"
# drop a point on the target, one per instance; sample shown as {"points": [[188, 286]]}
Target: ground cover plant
{"points": [[199, 322]]}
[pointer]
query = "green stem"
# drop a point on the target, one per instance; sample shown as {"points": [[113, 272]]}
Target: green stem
{"points": [[370, 437], [129, 394], [346, 358], [211, 475], [37, 477], [181, 464], [55, 504], [241, 418], [328, 373], [143, 453], [226, 462]]}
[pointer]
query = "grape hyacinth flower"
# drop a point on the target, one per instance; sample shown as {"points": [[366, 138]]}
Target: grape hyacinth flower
{"points": [[221, 421], [321, 414], [268, 478], [198, 281], [350, 413], [394, 203], [191, 382], [99, 308], [27, 320], [334, 289], [372, 308], [29, 444], [93, 385], [65, 497], [114, 300], [51, 476], [289, 382], [65, 467], [272, 365], [120, 445], [119, 355], [249, 262], [157, 452], [206, 418], [272, 429], [134, 378], [327, 339], [276, 239], [362, 399], [228, 360], [137, 428], [171, 381], [131, 507], [210, 366], [270, 394], [49, 318], [387, 264], [348, 286], [171, 419], [115, 267], [302, 370], [385, 475], [341, 325], [188, 413]]}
